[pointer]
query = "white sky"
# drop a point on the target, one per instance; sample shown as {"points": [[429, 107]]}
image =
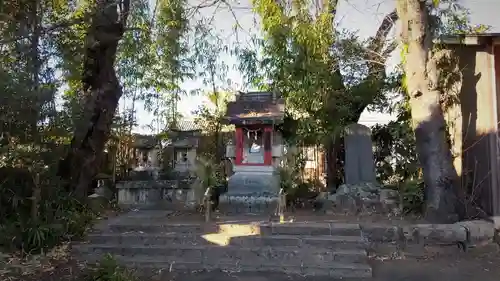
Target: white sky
{"points": [[363, 16]]}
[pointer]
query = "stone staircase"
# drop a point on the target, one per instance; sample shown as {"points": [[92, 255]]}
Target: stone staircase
{"points": [[314, 249]]}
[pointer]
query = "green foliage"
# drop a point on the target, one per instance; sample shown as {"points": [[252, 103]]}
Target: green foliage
{"points": [[42, 52], [211, 68], [207, 174], [292, 181], [210, 117], [301, 55], [23, 170], [296, 61], [36, 213], [412, 192], [108, 270], [61, 219], [451, 18], [395, 154], [396, 159]]}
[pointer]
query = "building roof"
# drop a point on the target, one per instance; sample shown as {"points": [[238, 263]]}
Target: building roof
{"points": [[186, 125], [470, 39]]}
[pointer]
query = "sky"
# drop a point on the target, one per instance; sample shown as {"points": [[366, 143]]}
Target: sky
{"points": [[363, 16]]}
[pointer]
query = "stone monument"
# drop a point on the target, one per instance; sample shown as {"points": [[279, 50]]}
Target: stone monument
{"points": [[361, 192], [359, 166]]}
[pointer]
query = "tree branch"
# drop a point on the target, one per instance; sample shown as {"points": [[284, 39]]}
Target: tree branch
{"points": [[376, 52], [377, 42]]}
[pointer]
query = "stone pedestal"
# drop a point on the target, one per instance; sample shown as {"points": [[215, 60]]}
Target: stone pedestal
{"points": [[363, 197], [251, 189]]}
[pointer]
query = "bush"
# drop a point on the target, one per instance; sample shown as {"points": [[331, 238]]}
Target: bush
{"points": [[62, 218], [108, 270], [412, 192]]}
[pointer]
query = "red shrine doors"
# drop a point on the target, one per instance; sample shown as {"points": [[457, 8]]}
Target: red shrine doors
{"points": [[254, 145]]}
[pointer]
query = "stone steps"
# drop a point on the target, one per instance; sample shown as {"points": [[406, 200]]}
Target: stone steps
{"points": [[297, 229], [255, 255], [326, 249], [161, 239], [155, 266]]}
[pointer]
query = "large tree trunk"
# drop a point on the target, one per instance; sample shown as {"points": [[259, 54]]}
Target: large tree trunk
{"points": [[102, 90], [376, 57], [428, 120], [334, 147]]}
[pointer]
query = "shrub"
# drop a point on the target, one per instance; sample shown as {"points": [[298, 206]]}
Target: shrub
{"points": [[412, 192], [61, 218], [108, 270]]}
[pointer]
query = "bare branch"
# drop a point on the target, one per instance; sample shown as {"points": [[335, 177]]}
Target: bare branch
{"points": [[377, 42], [238, 25], [375, 48]]}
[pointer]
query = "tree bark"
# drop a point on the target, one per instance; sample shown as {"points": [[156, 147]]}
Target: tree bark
{"points": [[428, 120], [102, 90]]}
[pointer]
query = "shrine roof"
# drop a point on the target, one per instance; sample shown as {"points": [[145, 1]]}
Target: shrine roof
{"points": [[256, 106]]}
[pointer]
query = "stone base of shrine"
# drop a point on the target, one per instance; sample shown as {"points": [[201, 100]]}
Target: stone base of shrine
{"points": [[252, 204], [251, 190]]}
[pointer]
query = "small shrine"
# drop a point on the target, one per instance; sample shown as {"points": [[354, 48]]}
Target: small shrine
{"points": [[182, 149], [145, 151], [256, 151]]}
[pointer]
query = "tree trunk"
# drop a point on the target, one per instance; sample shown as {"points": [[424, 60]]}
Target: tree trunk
{"points": [[102, 90], [427, 116], [334, 145], [376, 58]]}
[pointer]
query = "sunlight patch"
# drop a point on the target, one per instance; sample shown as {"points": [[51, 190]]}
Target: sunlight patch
{"points": [[217, 238], [228, 231]]}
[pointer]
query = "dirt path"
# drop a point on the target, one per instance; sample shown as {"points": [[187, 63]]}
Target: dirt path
{"points": [[476, 264]]}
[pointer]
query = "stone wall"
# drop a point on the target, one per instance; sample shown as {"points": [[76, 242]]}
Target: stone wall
{"points": [[466, 233], [151, 192]]}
